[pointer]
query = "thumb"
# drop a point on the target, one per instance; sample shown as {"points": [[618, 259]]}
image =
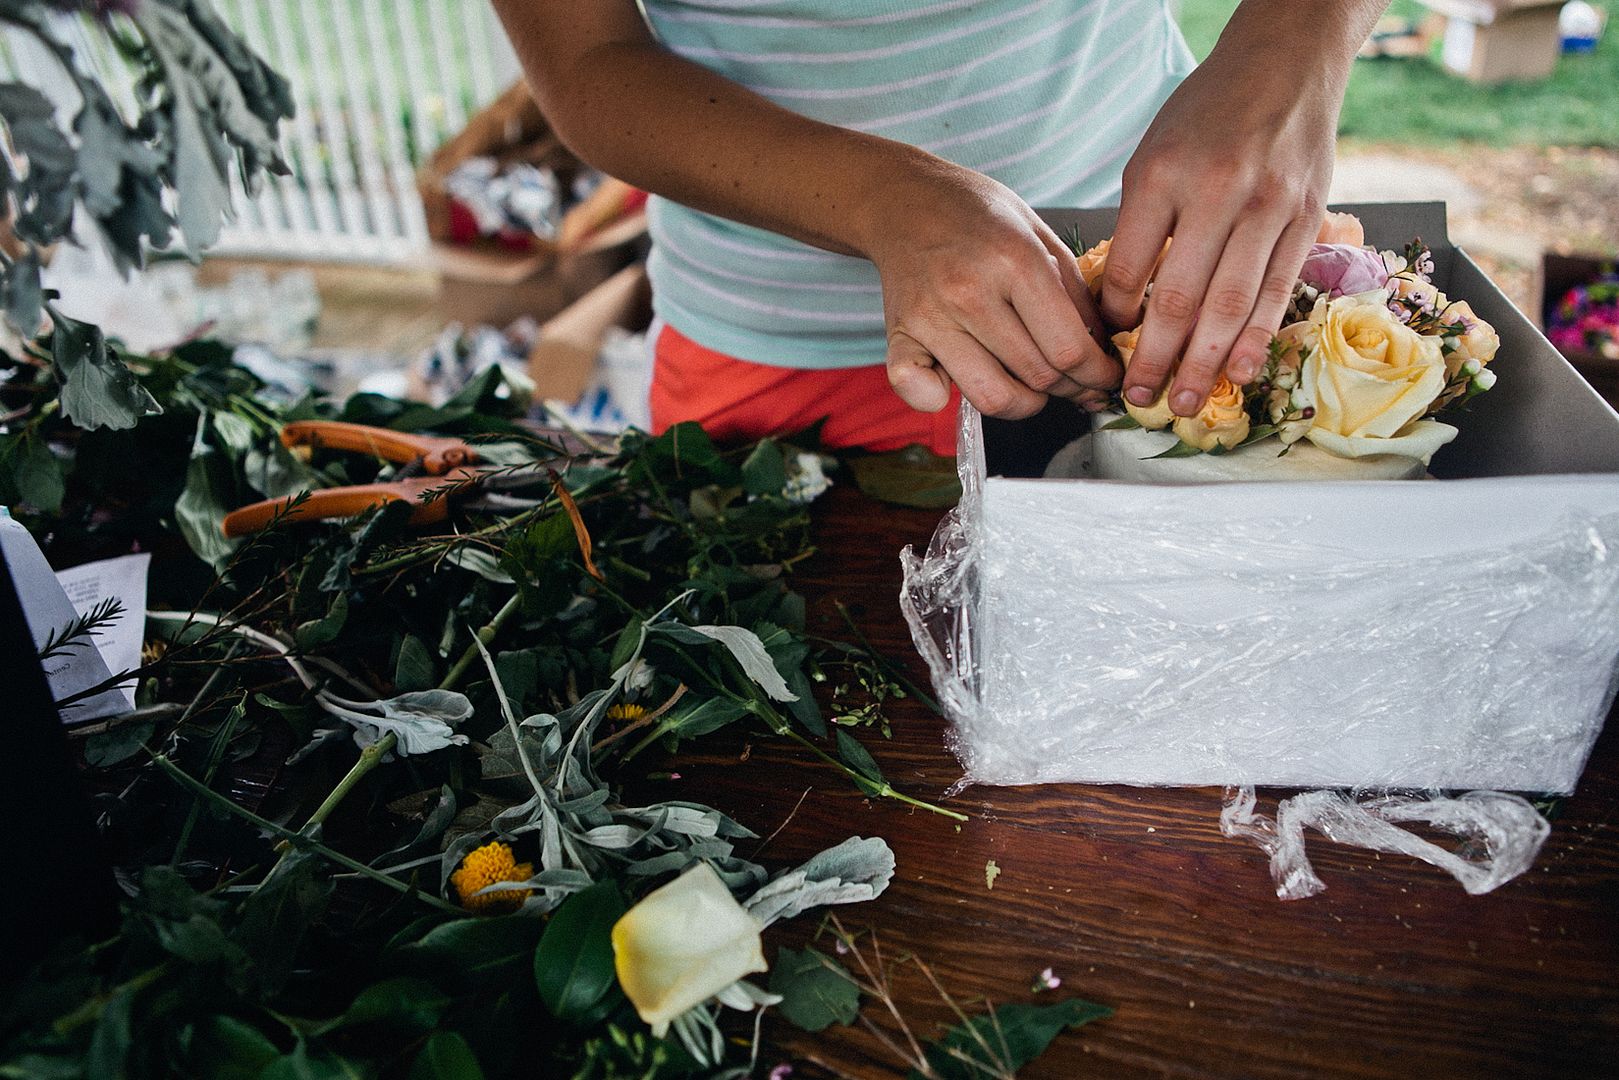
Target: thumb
{"points": [[915, 376]]}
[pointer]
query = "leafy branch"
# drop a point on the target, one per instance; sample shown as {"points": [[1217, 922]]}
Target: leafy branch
{"points": [[79, 633]]}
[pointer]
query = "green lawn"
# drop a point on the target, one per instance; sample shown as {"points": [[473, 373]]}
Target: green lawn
{"points": [[1416, 101]]}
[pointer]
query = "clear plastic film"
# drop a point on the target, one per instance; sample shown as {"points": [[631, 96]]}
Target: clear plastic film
{"points": [[1414, 635]]}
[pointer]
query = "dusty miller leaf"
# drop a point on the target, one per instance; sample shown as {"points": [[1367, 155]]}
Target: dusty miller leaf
{"points": [[857, 870]]}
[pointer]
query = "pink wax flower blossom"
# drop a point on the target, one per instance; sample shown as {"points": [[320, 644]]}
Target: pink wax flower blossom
{"points": [[1343, 270]]}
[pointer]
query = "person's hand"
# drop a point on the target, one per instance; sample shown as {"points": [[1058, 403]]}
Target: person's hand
{"points": [[1236, 168], [978, 291]]}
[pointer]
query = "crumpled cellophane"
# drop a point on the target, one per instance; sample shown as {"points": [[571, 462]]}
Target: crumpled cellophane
{"points": [[1070, 644]]}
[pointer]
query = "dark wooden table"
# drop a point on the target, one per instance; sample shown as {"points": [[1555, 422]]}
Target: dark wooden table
{"points": [[1135, 900]]}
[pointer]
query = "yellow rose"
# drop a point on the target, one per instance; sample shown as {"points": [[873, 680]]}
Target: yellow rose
{"points": [[1369, 377], [1223, 420], [682, 944], [1092, 264], [1158, 415]]}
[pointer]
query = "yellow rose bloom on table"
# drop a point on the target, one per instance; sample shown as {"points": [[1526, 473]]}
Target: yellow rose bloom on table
{"points": [[682, 944], [1223, 420], [1370, 378]]}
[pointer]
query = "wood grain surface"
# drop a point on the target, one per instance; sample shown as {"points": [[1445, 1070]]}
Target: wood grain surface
{"points": [[1135, 900]]}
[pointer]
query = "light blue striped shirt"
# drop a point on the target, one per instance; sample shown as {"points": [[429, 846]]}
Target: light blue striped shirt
{"points": [[1050, 97]]}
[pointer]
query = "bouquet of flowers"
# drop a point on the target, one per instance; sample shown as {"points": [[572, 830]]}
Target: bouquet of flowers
{"points": [[1587, 319], [1369, 353]]}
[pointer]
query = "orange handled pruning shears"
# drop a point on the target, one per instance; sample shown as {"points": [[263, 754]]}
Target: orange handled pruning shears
{"points": [[444, 460]]}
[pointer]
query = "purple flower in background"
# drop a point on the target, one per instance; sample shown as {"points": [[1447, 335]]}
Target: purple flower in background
{"points": [[1343, 270]]}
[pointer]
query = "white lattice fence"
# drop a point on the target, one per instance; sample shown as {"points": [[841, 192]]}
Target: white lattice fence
{"points": [[378, 85]]}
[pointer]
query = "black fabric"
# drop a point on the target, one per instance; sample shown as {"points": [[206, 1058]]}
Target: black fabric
{"points": [[55, 881]]}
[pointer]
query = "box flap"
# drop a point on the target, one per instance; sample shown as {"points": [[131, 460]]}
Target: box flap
{"points": [[564, 355]]}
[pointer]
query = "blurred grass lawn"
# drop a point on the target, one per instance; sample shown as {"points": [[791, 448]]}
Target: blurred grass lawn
{"points": [[1417, 101]]}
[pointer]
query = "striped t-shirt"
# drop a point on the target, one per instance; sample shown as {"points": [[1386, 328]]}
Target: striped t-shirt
{"points": [[1050, 97]]}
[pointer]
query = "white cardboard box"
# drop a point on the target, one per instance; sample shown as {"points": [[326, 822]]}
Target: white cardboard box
{"points": [[1454, 633]]}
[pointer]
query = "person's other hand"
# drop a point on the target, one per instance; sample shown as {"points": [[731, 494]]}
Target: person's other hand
{"points": [[978, 291], [1236, 168]]}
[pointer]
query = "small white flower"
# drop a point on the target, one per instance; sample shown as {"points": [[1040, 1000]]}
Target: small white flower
{"points": [[1484, 380], [1473, 367], [806, 479]]}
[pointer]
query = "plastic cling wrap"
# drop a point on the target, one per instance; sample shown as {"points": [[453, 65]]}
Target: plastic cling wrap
{"points": [[1418, 635], [1400, 635]]}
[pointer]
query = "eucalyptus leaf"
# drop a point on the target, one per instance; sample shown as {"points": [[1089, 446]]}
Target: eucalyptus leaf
{"points": [[324, 630], [480, 562]]}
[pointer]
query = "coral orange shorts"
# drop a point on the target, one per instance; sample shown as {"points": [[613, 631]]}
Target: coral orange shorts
{"points": [[737, 400]]}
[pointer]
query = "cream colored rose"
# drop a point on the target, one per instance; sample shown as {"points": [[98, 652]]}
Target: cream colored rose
{"points": [[1341, 229], [1369, 378], [1093, 264], [1223, 420], [1158, 415], [1480, 341], [682, 944]]}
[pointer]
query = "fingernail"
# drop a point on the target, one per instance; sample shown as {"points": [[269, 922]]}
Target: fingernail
{"points": [[1185, 403], [1139, 395]]}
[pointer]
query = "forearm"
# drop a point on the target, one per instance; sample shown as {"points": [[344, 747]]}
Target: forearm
{"points": [[638, 112], [1317, 39]]}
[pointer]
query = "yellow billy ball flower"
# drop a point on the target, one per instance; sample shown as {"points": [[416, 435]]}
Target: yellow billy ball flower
{"points": [[485, 866], [626, 713]]}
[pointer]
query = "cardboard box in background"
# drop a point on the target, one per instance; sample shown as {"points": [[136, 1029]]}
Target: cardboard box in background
{"points": [[492, 282], [1494, 41], [1418, 634], [1558, 274], [564, 355]]}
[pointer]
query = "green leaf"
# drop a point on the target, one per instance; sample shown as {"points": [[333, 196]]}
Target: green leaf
{"points": [[765, 470], [857, 758], [1123, 423], [573, 965], [404, 1005], [815, 989], [201, 508], [914, 476], [324, 630], [1179, 450], [445, 1056], [38, 475], [119, 744], [225, 1048], [109, 1043], [98, 390], [483, 951], [277, 916], [415, 669], [750, 652], [1004, 1040], [708, 715]]}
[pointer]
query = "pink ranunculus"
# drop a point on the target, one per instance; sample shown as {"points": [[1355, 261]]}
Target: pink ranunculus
{"points": [[1343, 270]]}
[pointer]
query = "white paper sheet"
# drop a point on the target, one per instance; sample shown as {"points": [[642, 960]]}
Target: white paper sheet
{"points": [[125, 578], [48, 610]]}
